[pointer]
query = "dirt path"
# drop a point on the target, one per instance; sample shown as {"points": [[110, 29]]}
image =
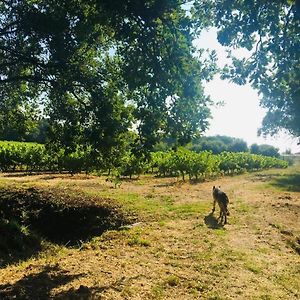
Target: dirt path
{"points": [[177, 251]]}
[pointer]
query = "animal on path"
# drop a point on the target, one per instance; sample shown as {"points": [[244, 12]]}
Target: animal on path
{"points": [[222, 199]]}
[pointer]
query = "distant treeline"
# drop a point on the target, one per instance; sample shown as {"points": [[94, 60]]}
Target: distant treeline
{"points": [[31, 157], [219, 143], [216, 144]]}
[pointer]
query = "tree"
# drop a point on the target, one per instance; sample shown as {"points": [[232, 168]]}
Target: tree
{"points": [[268, 150], [254, 149], [39, 133], [238, 145], [219, 143], [264, 149], [270, 30], [18, 115], [100, 68]]}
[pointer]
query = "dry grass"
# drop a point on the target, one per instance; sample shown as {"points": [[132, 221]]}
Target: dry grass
{"points": [[177, 251]]}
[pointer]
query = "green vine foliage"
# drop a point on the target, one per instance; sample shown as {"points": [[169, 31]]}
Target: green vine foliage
{"points": [[29, 157]]}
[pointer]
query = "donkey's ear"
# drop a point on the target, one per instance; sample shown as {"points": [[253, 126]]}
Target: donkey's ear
{"points": [[214, 187]]}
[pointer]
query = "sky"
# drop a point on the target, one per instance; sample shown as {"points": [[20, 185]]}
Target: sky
{"points": [[241, 115]]}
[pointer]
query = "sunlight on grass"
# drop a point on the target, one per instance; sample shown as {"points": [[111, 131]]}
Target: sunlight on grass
{"points": [[220, 232], [137, 241], [161, 205], [173, 253], [157, 291], [242, 207], [214, 296], [265, 297], [233, 255], [253, 268], [289, 279], [172, 280], [188, 209]]}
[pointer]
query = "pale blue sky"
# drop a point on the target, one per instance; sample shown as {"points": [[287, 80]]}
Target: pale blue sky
{"points": [[241, 116]]}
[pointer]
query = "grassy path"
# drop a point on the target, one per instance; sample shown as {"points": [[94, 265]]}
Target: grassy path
{"points": [[177, 250]]}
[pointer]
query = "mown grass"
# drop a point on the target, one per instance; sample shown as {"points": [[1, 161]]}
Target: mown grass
{"points": [[179, 250], [156, 206], [289, 182]]}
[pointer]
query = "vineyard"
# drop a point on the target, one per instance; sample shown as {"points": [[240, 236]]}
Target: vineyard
{"points": [[33, 157]]}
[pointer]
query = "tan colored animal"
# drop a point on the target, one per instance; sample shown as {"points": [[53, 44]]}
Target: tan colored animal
{"points": [[221, 198]]}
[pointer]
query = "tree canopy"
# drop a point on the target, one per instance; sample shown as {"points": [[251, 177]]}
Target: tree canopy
{"points": [[99, 68], [266, 150], [270, 30], [218, 144]]}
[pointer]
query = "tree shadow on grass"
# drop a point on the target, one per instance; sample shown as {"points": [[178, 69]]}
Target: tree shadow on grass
{"points": [[166, 184], [86, 293], [37, 286], [212, 222], [28, 216], [288, 182], [15, 244]]}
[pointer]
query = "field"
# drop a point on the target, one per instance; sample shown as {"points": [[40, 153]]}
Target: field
{"points": [[175, 248]]}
